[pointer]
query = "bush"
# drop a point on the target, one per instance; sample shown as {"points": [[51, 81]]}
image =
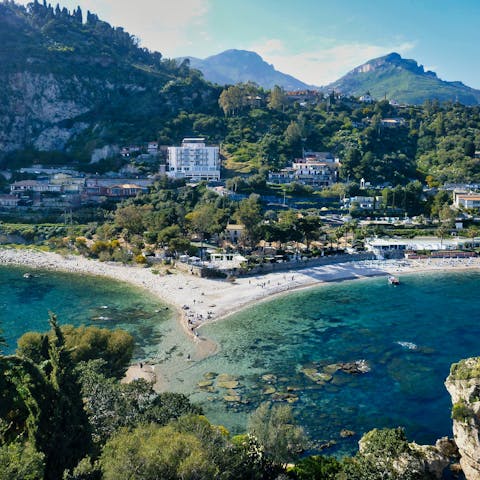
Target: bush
{"points": [[316, 467], [461, 413], [140, 259]]}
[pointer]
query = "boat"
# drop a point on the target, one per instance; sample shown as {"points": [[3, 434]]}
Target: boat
{"points": [[393, 280], [27, 275]]}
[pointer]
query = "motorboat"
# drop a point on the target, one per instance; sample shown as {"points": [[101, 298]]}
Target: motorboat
{"points": [[393, 280]]}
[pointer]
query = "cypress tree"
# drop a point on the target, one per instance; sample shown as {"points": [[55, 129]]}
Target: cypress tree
{"points": [[69, 439]]}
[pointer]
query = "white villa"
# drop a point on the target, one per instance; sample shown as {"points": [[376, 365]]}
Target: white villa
{"points": [[194, 160], [318, 169], [466, 199]]}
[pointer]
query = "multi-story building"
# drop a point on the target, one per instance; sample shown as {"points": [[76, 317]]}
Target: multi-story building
{"points": [[194, 160], [318, 169], [469, 200]]}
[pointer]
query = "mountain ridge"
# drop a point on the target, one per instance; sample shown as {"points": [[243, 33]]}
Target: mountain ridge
{"points": [[239, 66], [403, 80]]}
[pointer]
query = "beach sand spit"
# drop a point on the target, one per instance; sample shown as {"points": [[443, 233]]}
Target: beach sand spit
{"points": [[200, 300]]}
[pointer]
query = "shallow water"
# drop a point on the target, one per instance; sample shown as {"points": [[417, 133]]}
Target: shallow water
{"points": [[409, 335], [81, 300]]}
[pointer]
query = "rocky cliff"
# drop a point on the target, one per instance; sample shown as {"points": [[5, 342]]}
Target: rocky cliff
{"points": [[463, 384], [72, 83]]}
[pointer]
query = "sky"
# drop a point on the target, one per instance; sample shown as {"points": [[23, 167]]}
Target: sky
{"points": [[316, 41]]}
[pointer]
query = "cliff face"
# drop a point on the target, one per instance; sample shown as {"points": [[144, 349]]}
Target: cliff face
{"points": [[70, 85], [38, 109], [463, 384]]}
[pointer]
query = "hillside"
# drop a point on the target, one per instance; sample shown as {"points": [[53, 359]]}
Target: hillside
{"points": [[73, 84], [235, 66], [403, 80]]}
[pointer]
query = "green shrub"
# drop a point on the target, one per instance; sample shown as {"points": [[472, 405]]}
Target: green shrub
{"points": [[461, 413]]}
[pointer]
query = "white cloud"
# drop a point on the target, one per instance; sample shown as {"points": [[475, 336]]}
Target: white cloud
{"points": [[163, 25], [323, 66]]}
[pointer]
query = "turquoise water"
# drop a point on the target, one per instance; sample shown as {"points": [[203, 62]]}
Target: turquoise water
{"points": [[80, 300], [408, 335]]}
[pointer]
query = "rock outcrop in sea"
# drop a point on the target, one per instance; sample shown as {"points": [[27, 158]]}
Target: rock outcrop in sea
{"points": [[463, 385]]}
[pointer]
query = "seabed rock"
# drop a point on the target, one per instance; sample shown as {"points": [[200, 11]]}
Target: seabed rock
{"points": [[226, 377], [228, 384], [316, 376], [344, 433], [269, 377], [232, 398], [205, 383], [358, 366], [269, 390]]}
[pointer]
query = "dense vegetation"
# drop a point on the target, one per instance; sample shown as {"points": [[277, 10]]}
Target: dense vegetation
{"points": [[403, 80], [64, 416], [130, 95], [113, 90]]}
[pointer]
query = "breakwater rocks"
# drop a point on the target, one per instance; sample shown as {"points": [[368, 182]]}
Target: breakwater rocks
{"points": [[463, 385]]}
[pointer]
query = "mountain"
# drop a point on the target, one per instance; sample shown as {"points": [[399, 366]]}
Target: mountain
{"points": [[235, 66], [403, 80], [72, 83]]}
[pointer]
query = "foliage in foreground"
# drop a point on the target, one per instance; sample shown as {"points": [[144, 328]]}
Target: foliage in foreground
{"points": [[70, 420]]}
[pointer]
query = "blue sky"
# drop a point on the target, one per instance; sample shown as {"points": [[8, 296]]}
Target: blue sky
{"points": [[317, 41]]}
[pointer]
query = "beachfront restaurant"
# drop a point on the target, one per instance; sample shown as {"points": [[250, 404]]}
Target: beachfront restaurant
{"points": [[398, 247]]}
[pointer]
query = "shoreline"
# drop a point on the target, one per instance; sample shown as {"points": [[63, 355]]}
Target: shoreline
{"points": [[199, 301]]}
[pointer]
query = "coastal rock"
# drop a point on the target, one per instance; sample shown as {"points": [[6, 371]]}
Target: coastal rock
{"points": [[463, 385], [227, 384], [389, 450], [284, 397], [269, 390], [316, 376], [356, 367], [434, 460], [226, 377], [232, 398], [205, 383]]}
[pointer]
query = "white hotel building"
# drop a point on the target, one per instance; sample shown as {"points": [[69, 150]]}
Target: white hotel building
{"points": [[194, 160]]}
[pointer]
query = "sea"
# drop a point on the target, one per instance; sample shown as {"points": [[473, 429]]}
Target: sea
{"points": [[294, 349]]}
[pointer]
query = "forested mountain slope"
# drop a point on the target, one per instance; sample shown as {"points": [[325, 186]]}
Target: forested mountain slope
{"points": [[403, 80], [72, 82]]}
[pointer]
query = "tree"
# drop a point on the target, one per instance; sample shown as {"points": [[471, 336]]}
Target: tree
{"points": [[278, 99], [231, 100], [21, 461], [276, 430], [153, 452], [309, 227], [316, 467], [249, 215], [384, 455], [202, 220], [68, 439], [133, 218], [115, 347], [111, 405]]}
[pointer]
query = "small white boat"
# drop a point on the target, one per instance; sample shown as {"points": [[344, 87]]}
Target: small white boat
{"points": [[27, 275], [393, 280]]}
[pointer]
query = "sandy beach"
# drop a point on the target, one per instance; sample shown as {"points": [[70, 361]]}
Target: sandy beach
{"points": [[200, 300]]}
